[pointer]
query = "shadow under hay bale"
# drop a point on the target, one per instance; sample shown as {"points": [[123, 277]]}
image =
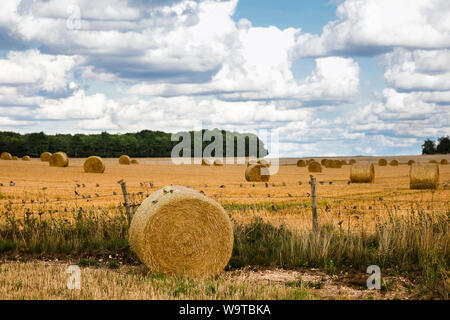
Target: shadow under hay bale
{"points": [[94, 164], [382, 162], [362, 173], [424, 176], [314, 167], [59, 159], [124, 159], [45, 156], [393, 163], [180, 232], [6, 156], [257, 173], [301, 163], [26, 158]]}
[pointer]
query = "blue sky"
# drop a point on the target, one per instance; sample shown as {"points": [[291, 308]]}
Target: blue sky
{"points": [[343, 77]]}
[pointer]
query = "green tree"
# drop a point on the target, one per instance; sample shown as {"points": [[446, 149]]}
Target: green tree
{"points": [[443, 146], [429, 147]]}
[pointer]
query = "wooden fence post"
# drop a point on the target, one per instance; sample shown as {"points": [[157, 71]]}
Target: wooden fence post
{"points": [[315, 223], [126, 200]]}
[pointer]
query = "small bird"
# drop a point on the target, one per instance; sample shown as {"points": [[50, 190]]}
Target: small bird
{"points": [[299, 183], [240, 185], [267, 185], [253, 185], [206, 186], [97, 195], [284, 184], [154, 201], [249, 195], [308, 195], [340, 222], [349, 182], [12, 183], [380, 198], [331, 182], [76, 193], [289, 195], [44, 188], [354, 208], [222, 186], [83, 185], [274, 209], [321, 182], [273, 184], [327, 208], [97, 185], [268, 196], [114, 193], [202, 192], [78, 185]]}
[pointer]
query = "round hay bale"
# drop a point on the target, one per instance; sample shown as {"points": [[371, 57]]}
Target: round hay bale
{"points": [[59, 159], [362, 173], [6, 156], [301, 163], [257, 173], [444, 162], [393, 163], [45, 156], [124, 159], [94, 164], [423, 176], [327, 163], [343, 163], [15, 158], [411, 162], [382, 162], [352, 161], [207, 162], [323, 161], [218, 163], [314, 167], [26, 158], [264, 162], [180, 232], [433, 161], [336, 164], [134, 161]]}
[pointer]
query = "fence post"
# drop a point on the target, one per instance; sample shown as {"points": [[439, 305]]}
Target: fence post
{"points": [[126, 200], [315, 223]]}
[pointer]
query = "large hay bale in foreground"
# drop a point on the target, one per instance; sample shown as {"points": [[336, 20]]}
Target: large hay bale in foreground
{"points": [[26, 158], [394, 163], [124, 159], [411, 162], [94, 164], [362, 173], [423, 176], [301, 163], [6, 156], [180, 232], [134, 161], [314, 167], [45, 156], [59, 159], [257, 173], [444, 162], [218, 163], [382, 162]]}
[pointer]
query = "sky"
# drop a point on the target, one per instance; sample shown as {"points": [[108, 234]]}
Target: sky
{"points": [[327, 77]]}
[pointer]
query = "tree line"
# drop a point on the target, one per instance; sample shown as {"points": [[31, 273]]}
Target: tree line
{"points": [[441, 146], [143, 144]]}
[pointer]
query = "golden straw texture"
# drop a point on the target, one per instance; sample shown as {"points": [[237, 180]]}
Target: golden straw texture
{"points": [[124, 159], [59, 159], [362, 173], [26, 158], [94, 164], [301, 163], [45, 156], [382, 162], [6, 156], [394, 163], [424, 176], [257, 173], [180, 232], [134, 161], [314, 166]]}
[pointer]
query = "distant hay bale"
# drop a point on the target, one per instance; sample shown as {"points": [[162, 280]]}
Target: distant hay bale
{"points": [[314, 167], [423, 176], [15, 158], [264, 162], [257, 173], [124, 159], [411, 162], [343, 162], [444, 162], [301, 163], [94, 164], [180, 232], [323, 161], [59, 159], [26, 158], [207, 162], [352, 161], [382, 162], [218, 163], [362, 173], [134, 161], [335, 164], [433, 161], [45, 156], [394, 163], [6, 156]]}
